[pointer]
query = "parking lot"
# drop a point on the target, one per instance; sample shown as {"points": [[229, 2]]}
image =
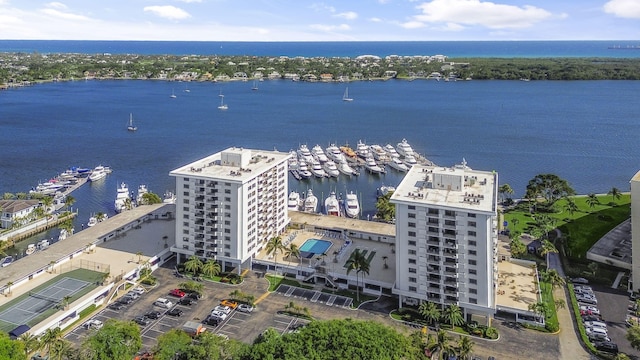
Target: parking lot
{"points": [[613, 305]]}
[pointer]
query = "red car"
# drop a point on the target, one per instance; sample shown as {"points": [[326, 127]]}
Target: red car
{"points": [[177, 293]]}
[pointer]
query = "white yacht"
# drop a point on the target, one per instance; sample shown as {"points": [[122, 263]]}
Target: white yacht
{"points": [[373, 167], [92, 221], [378, 153], [332, 205], [99, 172], [317, 170], [142, 189], [169, 197], [334, 153], [384, 190], [391, 151], [319, 154], [352, 206], [331, 169], [344, 168], [293, 203], [122, 198], [362, 149], [305, 154], [303, 170], [410, 160], [293, 161], [310, 202], [404, 148], [63, 234], [397, 164]]}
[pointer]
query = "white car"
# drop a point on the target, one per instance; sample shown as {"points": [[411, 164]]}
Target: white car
{"points": [[587, 299], [219, 314], [590, 309], [595, 331], [595, 324], [93, 324], [222, 309], [245, 308], [162, 302], [138, 290]]}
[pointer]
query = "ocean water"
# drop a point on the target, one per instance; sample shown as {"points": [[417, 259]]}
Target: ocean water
{"points": [[455, 49], [583, 131]]}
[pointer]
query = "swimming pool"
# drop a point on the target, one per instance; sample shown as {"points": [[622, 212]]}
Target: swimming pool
{"points": [[313, 247]]}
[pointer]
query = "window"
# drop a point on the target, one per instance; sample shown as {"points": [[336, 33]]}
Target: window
{"points": [[471, 223], [449, 213], [227, 231], [472, 243], [412, 243], [227, 246], [185, 208], [227, 207], [227, 191], [227, 222], [450, 222], [413, 288], [471, 233], [412, 224], [227, 199], [472, 252], [473, 291], [411, 207], [412, 261], [411, 215], [185, 216], [412, 233], [186, 223], [472, 262], [473, 281], [412, 252], [471, 215], [413, 280], [473, 300], [186, 193], [413, 271], [185, 186], [472, 272]]}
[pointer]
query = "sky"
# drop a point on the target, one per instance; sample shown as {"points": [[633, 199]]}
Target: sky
{"points": [[301, 20]]}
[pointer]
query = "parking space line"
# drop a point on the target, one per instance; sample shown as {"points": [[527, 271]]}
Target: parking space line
{"points": [[262, 297]]}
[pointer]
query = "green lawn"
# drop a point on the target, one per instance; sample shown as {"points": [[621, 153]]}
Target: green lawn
{"points": [[275, 281], [552, 315]]}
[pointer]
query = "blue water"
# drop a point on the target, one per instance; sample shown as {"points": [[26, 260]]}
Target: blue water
{"points": [[314, 247], [522, 49], [584, 131]]}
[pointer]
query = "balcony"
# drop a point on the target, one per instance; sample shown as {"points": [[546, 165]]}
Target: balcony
{"points": [[450, 271]]}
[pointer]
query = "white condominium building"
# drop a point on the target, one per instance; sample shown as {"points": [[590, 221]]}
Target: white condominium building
{"points": [[635, 231], [446, 238], [229, 204]]}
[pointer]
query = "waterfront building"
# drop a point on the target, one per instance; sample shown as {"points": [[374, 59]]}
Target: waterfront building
{"points": [[635, 231], [229, 204], [446, 238]]}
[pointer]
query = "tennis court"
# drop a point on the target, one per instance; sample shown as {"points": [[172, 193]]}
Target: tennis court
{"points": [[43, 301]]}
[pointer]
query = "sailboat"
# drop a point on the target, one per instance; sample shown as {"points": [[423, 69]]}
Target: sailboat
{"points": [[222, 106], [186, 88], [346, 97], [131, 127], [173, 95], [255, 85]]}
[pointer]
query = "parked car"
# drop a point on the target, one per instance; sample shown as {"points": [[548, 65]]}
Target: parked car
{"points": [[93, 324], [116, 306], [245, 308], [224, 309], [595, 324], [594, 338], [587, 300], [596, 331], [194, 295], [222, 316], [153, 315], [162, 302], [133, 295], [138, 290], [125, 300], [591, 310], [607, 346], [230, 303], [177, 293], [175, 312], [580, 281], [187, 301], [587, 317], [141, 320], [211, 320]]}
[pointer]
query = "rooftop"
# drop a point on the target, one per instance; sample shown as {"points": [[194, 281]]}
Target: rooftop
{"points": [[517, 286], [233, 164], [614, 247], [455, 187]]}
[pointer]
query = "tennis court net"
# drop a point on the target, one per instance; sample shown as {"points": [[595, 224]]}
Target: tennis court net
{"points": [[43, 297]]}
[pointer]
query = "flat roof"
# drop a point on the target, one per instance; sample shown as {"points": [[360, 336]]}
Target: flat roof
{"points": [[455, 187], [338, 222], [616, 244], [212, 166], [516, 286]]}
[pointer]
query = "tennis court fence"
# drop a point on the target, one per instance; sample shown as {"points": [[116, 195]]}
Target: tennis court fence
{"points": [[84, 264]]}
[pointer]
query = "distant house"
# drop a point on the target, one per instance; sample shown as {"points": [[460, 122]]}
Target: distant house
{"points": [[326, 77], [14, 209]]}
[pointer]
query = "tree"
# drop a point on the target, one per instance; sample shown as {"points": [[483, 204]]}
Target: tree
{"points": [[274, 246], [65, 301], [172, 344], [621, 356], [100, 216], [430, 311], [50, 337], [61, 349], [30, 343], [385, 209], [517, 247], [465, 347], [547, 247], [592, 200], [545, 223], [453, 315], [9, 349], [539, 308], [193, 265], [550, 187], [192, 286], [358, 262], [570, 206], [552, 277], [559, 304], [633, 335], [9, 285], [116, 340], [593, 266], [442, 343], [211, 268], [150, 198], [47, 201], [69, 201], [292, 251], [505, 189], [615, 194]]}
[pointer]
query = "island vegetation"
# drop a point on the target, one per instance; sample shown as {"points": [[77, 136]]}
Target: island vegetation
{"points": [[25, 68]]}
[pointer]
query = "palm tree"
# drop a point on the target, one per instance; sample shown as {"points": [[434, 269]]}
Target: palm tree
{"points": [[465, 347], [9, 285], [61, 349], [571, 206], [539, 308], [128, 204], [68, 201], [505, 189], [65, 301], [453, 315], [50, 338], [275, 245], [441, 343], [592, 200], [193, 264], [429, 311], [47, 201], [615, 193], [100, 216], [30, 343], [358, 262], [547, 247], [292, 251], [559, 304], [551, 276], [211, 268]]}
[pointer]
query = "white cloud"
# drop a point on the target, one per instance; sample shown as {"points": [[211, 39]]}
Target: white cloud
{"points": [[341, 27], [167, 12], [413, 24], [63, 15], [375, 19], [349, 15], [56, 5], [629, 9], [482, 13], [190, 1], [322, 7]]}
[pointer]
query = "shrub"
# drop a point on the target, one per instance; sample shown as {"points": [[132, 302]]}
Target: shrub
{"points": [[491, 333]]}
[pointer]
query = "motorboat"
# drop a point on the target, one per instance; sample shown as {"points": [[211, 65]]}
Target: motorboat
{"points": [[6, 261], [310, 202], [31, 248], [142, 189], [332, 205], [305, 154], [63, 234], [169, 198], [362, 149], [317, 170], [372, 166], [378, 153], [47, 188], [331, 169], [42, 244], [384, 190], [391, 151], [303, 170], [293, 161], [404, 149], [344, 168], [397, 164], [352, 206], [334, 153], [319, 154], [123, 199], [293, 203], [410, 160], [348, 152], [92, 221], [98, 173]]}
